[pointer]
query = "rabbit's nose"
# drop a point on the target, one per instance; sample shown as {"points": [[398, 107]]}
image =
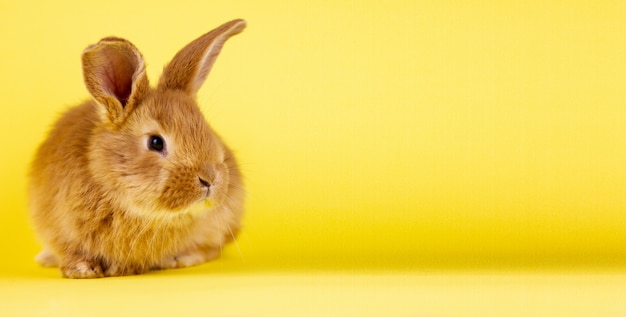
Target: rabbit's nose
{"points": [[204, 182], [206, 177]]}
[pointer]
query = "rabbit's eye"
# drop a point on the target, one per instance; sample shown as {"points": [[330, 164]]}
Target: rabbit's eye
{"points": [[156, 143]]}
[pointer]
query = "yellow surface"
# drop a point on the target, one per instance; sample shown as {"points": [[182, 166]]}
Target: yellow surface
{"points": [[381, 141], [319, 295]]}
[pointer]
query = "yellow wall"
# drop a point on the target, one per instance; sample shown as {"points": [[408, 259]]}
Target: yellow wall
{"points": [[391, 133]]}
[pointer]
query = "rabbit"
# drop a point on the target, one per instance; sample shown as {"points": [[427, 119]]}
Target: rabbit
{"points": [[135, 179]]}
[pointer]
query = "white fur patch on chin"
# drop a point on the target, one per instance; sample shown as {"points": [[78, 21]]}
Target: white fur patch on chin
{"points": [[159, 213], [199, 207]]}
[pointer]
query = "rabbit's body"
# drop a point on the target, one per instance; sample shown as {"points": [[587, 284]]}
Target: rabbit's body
{"points": [[136, 179]]}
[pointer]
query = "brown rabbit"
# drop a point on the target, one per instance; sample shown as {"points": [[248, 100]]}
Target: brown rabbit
{"points": [[136, 179]]}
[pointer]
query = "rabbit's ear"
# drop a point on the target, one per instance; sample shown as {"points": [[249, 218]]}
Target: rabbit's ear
{"points": [[191, 65], [115, 75]]}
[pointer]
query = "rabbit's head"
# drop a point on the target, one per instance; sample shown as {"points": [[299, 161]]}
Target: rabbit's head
{"points": [[153, 151]]}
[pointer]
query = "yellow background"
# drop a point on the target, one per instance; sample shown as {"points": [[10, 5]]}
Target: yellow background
{"points": [[375, 136]]}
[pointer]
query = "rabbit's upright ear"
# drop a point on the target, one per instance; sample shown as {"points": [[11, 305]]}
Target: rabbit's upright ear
{"points": [[192, 64], [115, 75]]}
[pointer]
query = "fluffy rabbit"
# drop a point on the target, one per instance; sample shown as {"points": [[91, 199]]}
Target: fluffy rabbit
{"points": [[135, 179]]}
